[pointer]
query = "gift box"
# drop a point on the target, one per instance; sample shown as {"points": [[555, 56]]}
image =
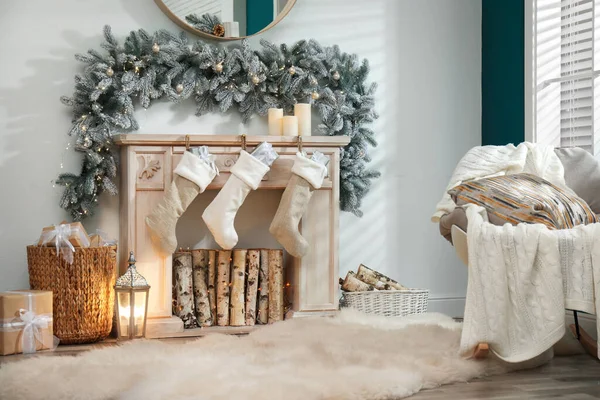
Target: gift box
{"points": [[54, 235], [25, 321]]}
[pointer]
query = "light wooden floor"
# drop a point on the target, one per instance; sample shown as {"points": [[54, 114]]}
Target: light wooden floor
{"points": [[572, 378]]}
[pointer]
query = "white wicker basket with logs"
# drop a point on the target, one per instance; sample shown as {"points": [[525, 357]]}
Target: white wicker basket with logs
{"points": [[390, 303], [371, 292]]}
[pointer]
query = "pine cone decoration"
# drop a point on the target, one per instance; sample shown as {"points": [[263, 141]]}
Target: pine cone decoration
{"points": [[219, 30]]}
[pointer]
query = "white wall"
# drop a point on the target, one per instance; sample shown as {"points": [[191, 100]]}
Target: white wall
{"points": [[425, 55]]}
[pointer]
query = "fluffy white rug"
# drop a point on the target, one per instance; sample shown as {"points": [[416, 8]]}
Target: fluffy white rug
{"points": [[352, 356]]}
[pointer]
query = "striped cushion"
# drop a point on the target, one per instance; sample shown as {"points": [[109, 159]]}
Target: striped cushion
{"points": [[525, 198]]}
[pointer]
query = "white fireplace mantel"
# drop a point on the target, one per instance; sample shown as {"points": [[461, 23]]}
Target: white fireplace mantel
{"points": [[147, 164]]}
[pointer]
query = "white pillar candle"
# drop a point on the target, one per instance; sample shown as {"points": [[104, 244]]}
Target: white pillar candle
{"points": [[303, 113], [275, 116], [232, 29], [290, 125]]}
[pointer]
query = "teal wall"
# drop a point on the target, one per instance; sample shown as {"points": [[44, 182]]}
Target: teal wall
{"points": [[259, 13], [502, 72]]}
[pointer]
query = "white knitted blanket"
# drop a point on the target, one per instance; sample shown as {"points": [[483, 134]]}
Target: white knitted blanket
{"points": [[487, 161], [521, 279]]}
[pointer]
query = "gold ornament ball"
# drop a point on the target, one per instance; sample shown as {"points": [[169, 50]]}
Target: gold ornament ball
{"points": [[219, 67], [255, 79], [315, 96], [292, 70], [84, 128], [155, 48], [336, 75], [110, 72], [179, 88]]}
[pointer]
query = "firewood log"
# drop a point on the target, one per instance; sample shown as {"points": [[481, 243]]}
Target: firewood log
{"points": [[183, 292], [262, 316], [352, 284], [371, 277], [212, 285], [252, 285], [237, 303], [275, 286], [223, 281], [200, 275]]}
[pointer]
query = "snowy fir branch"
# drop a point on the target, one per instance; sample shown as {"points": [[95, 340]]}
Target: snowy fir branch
{"points": [[161, 65], [205, 23]]}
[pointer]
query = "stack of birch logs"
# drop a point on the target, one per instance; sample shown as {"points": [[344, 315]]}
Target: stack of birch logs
{"points": [[366, 279], [228, 287]]}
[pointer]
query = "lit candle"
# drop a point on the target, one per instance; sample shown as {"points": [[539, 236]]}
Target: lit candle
{"points": [[302, 112], [275, 121], [290, 125]]}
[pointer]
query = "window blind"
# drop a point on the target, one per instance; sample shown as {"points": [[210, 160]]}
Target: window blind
{"points": [[565, 74]]}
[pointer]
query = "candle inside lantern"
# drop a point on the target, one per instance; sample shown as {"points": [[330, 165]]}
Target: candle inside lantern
{"points": [[303, 113], [290, 125], [275, 116]]}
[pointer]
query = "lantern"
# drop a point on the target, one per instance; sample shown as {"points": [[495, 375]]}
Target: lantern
{"points": [[131, 302]]}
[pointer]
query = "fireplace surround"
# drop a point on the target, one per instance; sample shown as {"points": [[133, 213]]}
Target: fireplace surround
{"points": [[147, 164]]}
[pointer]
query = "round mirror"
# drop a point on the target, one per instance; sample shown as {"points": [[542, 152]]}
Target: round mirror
{"points": [[226, 19]]}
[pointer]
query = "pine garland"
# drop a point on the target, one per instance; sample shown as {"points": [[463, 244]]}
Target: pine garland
{"points": [[148, 67]]}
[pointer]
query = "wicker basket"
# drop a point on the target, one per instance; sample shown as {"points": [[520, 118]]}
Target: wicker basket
{"points": [[83, 292], [390, 303]]}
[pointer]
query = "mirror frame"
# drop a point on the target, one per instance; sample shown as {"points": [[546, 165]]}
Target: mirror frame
{"points": [[198, 32]]}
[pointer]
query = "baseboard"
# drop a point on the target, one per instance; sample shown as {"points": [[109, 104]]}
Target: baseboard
{"points": [[452, 306]]}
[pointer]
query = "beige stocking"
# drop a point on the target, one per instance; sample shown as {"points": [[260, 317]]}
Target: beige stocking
{"points": [[191, 178], [307, 175]]}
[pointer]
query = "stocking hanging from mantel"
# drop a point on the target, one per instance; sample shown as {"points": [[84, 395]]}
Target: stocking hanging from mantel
{"points": [[246, 175], [307, 176], [193, 174]]}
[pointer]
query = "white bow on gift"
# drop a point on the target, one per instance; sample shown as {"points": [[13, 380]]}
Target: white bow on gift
{"points": [[33, 324], [60, 236]]}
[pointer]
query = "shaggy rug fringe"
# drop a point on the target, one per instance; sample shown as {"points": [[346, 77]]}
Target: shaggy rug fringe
{"points": [[350, 357]]}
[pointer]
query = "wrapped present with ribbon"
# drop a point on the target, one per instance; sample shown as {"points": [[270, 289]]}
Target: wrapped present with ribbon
{"points": [[65, 237], [26, 322]]}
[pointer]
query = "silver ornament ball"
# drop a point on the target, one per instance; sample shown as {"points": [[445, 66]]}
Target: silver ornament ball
{"points": [[313, 81], [155, 48], [336, 75], [179, 88], [315, 96], [87, 142], [292, 70], [110, 72]]}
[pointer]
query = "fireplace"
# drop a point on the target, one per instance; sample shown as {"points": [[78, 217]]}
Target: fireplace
{"points": [[147, 164]]}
